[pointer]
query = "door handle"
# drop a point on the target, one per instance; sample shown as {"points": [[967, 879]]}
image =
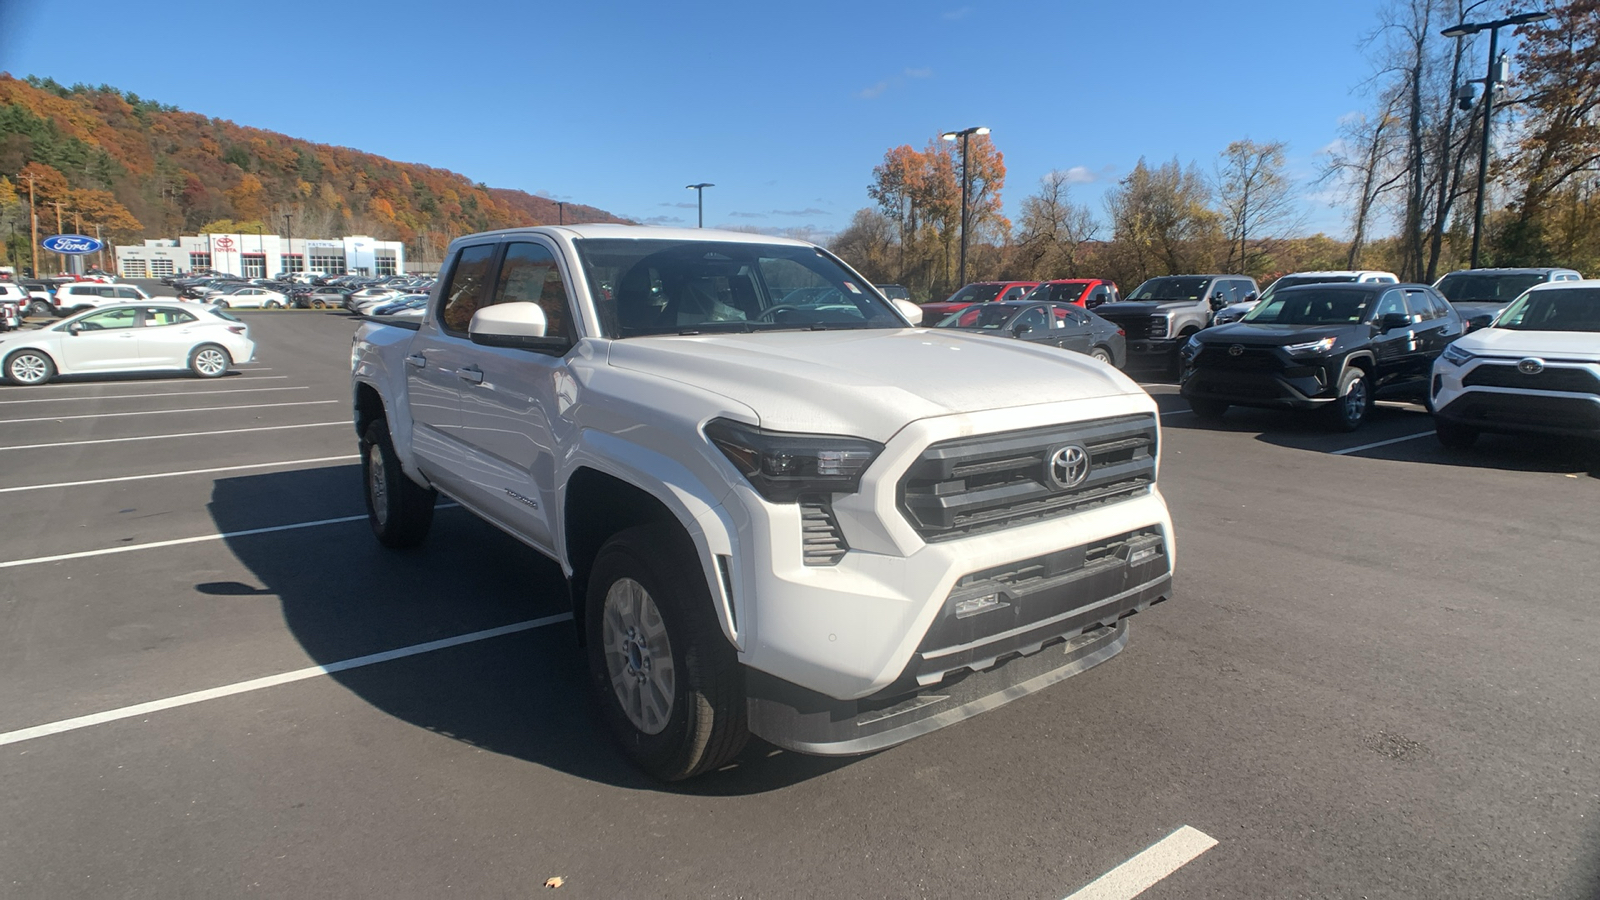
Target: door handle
{"points": [[471, 373], [417, 360]]}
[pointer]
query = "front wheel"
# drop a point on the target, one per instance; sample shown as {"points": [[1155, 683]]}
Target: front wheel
{"points": [[1349, 411], [273, 304], [209, 361], [29, 368], [221, 304], [399, 510], [1454, 437], [667, 680]]}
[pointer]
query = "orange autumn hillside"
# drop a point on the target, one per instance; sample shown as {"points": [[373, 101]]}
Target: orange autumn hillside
{"points": [[141, 169]]}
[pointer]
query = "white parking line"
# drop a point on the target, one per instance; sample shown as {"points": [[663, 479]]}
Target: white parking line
{"points": [[1139, 874], [198, 539], [267, 465], [162, 437], [166, 412], [45, 387], [242, 687], [157, 394], [1409, 437]]}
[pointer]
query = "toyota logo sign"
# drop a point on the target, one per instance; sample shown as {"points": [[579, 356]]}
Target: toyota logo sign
{"points": [[1531, 366], [1069, 467], [1236, 350]]}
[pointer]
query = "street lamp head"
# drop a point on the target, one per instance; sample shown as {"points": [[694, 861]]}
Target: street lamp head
{"points": [[1525, 18], [949, 135], [1462, 30], [696, 187], [952, 135], [983, 129]]}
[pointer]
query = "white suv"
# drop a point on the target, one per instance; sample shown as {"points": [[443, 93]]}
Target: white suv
{"points": [[1536, 368], [78, 296], [1236, 311]]}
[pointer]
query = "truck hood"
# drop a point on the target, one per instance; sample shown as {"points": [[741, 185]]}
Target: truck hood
{"points": [[1554, 344], [869, 383]]}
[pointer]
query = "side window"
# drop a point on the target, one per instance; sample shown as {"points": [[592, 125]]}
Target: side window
{"points": [[1068, 316], [1033, 318], [1390, 304], [128, 293], [122, 317], [1098, 296], [529, 274], [1243, 289], [1420, 309], [161, 315], [1014, 293], [468, 289], [106, 292]]}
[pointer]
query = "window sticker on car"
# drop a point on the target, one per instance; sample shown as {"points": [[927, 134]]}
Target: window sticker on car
{"points": [[851, 287]]}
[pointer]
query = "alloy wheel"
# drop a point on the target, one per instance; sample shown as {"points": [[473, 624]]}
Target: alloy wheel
{"points": [[29, 368], [210, 362], [638, 656]]}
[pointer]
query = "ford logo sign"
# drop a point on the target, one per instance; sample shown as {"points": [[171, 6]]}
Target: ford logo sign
{"points": [[71, 244]]}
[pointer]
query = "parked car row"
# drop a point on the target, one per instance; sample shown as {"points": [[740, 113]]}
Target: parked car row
{"points": [[289, 292]]}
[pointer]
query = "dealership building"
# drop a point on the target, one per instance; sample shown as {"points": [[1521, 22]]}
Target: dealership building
{"points": [[261, 256]]}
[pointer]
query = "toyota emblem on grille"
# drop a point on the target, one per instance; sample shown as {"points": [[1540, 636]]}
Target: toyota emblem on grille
{"points": [[1531, 366], [1236, 350], [1069, 467]]}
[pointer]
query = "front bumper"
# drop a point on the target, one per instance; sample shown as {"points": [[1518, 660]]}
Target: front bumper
{"points": [[1513, 410], [1144, 349], [1301, 387]]}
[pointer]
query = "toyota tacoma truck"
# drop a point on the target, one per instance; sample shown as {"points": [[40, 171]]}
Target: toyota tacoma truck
{"points": [[780, 507]]}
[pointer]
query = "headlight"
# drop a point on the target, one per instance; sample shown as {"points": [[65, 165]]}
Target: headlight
{"points": [[1310, 348], [1159, 325], [1456, 356], [782, 465]]}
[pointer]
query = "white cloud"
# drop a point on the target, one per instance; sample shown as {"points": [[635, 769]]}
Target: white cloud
{"points": [[956, 14], [662, 220], [800, 213], [1079, 175], [873, 92], [747, 215], [919, 73]]}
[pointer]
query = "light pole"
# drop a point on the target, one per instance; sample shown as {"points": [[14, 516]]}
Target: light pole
{"points": [[288, 243], [966, 184], [699, 200], [1463, 30], [561, 213]]}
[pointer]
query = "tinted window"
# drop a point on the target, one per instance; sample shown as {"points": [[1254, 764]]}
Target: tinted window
{"points": [[1570, 309], [1069, 316], [1034, 318], [468, 289], [122, 317], [1392, 304], [1171, 288], [529, 274], [1418, 306], [163, 315], [1309, 306], [1459, 287], [975, 293]]}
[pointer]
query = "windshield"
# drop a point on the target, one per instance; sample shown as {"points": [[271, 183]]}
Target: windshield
{"points": [[643, 287], [976, 293], [1170, 288], [1313, 307], [1470, 287], [988, 317], [1067, 292], [1570, 309]]}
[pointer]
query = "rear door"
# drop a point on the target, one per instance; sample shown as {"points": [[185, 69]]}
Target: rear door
{"points": [[436, 359], [1072, 327], [166, 336]]}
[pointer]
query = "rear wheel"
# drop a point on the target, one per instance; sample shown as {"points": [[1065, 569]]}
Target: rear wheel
{"points": [[667, 680], [40, 308], [273, 304], [1103, 355], [399, 510], [1453, 436], [29, 367], [221, 304], [209, 361], [1210, 410], [1349, 411]]}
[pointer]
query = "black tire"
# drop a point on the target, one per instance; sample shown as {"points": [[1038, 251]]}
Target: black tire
{"points": [[1453, 436], [41, 308], [1354, 402], [273, 304], [704, 724], [1103, 355], [399, 510], [210, 361], [1210, 410], [30, 368], [220, 304]]}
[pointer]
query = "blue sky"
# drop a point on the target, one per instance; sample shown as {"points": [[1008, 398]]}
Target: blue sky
{"points": [[786, 108]]}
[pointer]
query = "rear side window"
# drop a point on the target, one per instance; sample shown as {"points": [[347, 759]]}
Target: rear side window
{"points": [[468, 290], [129, 293], [529, 274], [162, 315], [1014, 293], [1421, 309]]}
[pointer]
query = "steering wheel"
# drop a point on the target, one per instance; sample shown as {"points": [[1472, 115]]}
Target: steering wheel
{"points": [[780, 308]]}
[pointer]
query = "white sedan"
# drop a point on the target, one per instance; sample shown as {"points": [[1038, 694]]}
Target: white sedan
{"points": [[250, 298], [133, 337]]}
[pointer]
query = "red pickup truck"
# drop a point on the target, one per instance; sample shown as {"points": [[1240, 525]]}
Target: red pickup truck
{"points": [[1085, 292], [976, 292]]}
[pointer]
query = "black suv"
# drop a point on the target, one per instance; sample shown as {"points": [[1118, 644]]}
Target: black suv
{"points": [[1329, 347]]}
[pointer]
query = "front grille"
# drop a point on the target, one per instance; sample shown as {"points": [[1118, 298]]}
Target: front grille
{"points": [[1250, 359], [995, 481], [1135, 325], [1265, 390], [822, 543], [1579, 381]]}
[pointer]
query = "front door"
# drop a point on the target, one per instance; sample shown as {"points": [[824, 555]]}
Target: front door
{"points": [[105, 341], [510, 408], [1397, 349], [434, 361]]}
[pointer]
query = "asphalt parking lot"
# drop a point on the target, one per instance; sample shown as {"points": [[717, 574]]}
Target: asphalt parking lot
{"points": [[1380, 677]]}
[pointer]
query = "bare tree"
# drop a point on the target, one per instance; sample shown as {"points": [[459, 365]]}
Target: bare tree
{"points": [[1256, 197], [1054, 230]]}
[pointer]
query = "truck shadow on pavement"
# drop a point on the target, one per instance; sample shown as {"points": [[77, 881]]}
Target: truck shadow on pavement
{"points": [[524, 695]]}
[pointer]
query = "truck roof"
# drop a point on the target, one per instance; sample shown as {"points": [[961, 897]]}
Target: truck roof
{"points": [[645, 232]]}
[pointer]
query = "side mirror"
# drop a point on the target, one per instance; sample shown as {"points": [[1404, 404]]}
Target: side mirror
{"points": [[1020, 329], [1250, 297], [911, 311], [1392, 321], [519, 325]]}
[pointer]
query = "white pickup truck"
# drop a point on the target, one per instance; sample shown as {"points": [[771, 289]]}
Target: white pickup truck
{"points": [[781, 508]]}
